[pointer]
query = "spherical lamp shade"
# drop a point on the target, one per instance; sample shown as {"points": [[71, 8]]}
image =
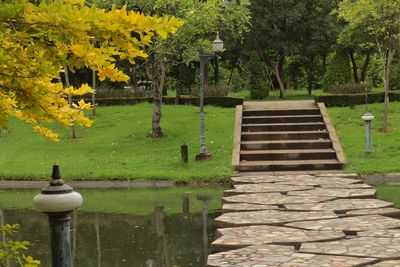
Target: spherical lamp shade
{"points": [[57, 196], [57, 202], [218, 44], [367, 117]]}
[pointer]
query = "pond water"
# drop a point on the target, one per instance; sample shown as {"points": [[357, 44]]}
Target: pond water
{"points": [[166, 227]]}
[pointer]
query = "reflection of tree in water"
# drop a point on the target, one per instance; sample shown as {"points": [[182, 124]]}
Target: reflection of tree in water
{"points": [[126, 240], [74, 235], [204, 216], [162, 249], [97, 228]]}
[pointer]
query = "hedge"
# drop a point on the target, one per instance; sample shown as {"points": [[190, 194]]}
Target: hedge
{"points": [[219, 101], [346, 100]]}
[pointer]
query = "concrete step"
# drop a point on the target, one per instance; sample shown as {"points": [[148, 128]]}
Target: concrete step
{"points": [[291, 154], [286, 144], [299, 135], [290, 165], [281, 119], [305, 126], [276, 112]]}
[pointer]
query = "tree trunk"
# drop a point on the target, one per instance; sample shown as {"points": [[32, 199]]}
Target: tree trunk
{"points": [[280, 77], [157, 75], [310, 76], [386, 60], [67, 84], [354, 66], [310, 81], [94, 93], [280, 82], [365, 66], [324, 63]]}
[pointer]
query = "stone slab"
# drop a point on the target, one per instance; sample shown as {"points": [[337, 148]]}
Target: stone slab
{"points": [[344, 175], [346, 186], [254, 179], [337, 192], [295, 180], [373, 247], [390, 212], [239, 237], [268, 217], [274, 199], [264, 188], [275, 255], [389, 233], [341, 205], [392, 263], [244, 207], [349, 224]]}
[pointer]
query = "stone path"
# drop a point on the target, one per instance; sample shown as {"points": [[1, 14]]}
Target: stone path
{"points": [[305, 220]]}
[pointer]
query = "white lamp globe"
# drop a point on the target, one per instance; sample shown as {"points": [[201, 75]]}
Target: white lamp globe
{"points": [[218, 44], [57, 196]]}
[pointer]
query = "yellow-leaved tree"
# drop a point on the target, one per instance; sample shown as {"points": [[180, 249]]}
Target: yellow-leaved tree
{"points": [[39, 41]]}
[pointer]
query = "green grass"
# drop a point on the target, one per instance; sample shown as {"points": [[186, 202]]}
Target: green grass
{"points": [[117, 146], [133, 201], [389, 193], [351, 132]]}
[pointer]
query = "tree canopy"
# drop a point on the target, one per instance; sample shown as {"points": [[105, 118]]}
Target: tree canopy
{"points": [[40, 41]]}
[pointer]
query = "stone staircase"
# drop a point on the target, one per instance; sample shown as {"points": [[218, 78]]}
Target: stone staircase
{"points": [[285, 136]]}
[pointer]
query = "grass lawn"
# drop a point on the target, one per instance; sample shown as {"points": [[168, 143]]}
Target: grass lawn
{"points": [[117, 147], [351, 132]]}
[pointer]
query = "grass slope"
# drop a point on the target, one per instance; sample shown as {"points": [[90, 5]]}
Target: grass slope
{"points": [[351, 132], [117, 147]]}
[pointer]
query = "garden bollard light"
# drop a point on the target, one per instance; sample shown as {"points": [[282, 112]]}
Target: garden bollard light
{"points": [[367, 118], [58, 200]]}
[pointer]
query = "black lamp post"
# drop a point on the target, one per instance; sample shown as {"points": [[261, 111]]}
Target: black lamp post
{"points": [[218, 46], [57, 200]]}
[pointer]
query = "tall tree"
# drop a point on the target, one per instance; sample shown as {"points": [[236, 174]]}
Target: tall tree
{"points": [[289, 27], [40, 41], [202, 20], [380, 21]]}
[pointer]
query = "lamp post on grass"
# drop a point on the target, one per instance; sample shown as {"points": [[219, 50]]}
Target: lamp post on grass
{"points": [[217, 46], [58, 200], [367, 118]]}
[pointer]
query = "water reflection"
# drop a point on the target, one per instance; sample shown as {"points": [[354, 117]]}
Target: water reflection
{"points": [[106, 239]]}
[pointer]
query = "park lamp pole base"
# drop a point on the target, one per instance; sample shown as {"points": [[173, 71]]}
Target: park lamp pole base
{"points": [[203, 156]]}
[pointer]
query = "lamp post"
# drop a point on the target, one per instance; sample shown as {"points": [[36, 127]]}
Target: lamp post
{"points": [[57, 200], [367, 118], [217, 46]]}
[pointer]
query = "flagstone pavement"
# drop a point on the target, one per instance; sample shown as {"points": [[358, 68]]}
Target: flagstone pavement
{"points": [[305, 220]]}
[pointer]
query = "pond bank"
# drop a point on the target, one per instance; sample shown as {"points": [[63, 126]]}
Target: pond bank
{"points": [[373, 179]]}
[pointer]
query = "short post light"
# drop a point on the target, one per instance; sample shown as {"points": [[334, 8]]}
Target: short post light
{"points": [[58, 200], [367, 118], [218, 46]]}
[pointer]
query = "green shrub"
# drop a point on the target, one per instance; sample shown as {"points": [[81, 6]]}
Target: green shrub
{"points": [[345, 100], [394, 83], [259, 84], [338, 71], [219, 101], [350, 88], [211, 90]]}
